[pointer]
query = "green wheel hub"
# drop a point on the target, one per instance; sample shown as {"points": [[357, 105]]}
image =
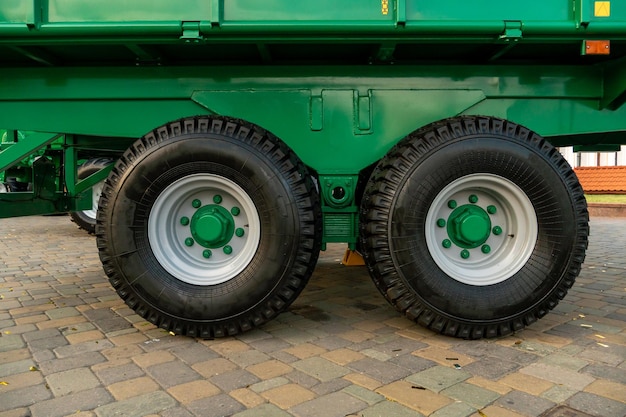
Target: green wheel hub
{"points": [[212, 226], [469, 226]]}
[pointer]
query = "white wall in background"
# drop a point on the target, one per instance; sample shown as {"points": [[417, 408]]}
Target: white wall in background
{"points": [[594, 159]]}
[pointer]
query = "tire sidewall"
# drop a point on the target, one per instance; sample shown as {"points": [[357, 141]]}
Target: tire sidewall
{"points": [[144, 180]]}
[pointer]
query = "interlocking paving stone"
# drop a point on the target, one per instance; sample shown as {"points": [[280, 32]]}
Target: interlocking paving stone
{"points": [[415, 397], [59, 313], [438, 378], [52, 366], [565, 361], [320, 368], [337, 404], [11, 342], [216, 406], [363, 394], [263, 410], [17, 367], [384, 372], [340, 349], [558, 393], [119, 373], [23, 397], [142, 405], [124, 390], [75, 380], [609, 389], [269, 384], [234, 379], [525, 403], [597, 405], [457, 409], [564, 411], [288, 395], [172, 373], [492, 367], [66, 351], [388, 408], [174, 412], [193, 391], [330, 386], [302, 379], [247, 397], [558, 375], [607, 372], [269, 369], [70, 404], [470, 394]]}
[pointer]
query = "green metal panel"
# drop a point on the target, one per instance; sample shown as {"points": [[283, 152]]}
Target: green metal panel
{"points": [[484, 10], [343, 122], [128, 11], [17, 11], [263, 12], [566, 122]]}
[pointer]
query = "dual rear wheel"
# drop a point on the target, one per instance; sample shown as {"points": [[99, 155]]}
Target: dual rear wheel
{"points": [[209, 227], [473, 227]]}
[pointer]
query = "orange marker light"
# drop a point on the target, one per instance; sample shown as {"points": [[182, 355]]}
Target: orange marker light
{"points": [[596, 47]]}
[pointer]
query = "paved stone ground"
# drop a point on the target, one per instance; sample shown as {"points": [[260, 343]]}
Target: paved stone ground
{"points": [[69, 346]]}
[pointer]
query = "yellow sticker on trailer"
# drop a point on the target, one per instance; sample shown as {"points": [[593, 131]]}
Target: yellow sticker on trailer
{"points": [[602, 9]]}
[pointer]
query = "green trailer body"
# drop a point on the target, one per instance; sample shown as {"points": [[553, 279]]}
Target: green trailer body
{"points": [[247, 135]]}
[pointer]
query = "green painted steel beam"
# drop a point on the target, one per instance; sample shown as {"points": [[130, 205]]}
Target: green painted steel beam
{"points": [[20, 150], [117, 118], [25, 204], [173, 31], [28, 204], [171, 83], [92, 180]]}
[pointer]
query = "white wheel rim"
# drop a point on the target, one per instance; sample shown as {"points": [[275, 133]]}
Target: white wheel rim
{"points": [[96, 190], [500, 255], [187, 259]]}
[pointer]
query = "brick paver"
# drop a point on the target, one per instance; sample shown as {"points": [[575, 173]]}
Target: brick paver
{"points": [[70, 346]]}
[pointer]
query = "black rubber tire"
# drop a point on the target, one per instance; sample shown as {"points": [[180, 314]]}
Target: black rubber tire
{"points": [[274, 178], [393, 226], [84, 219]]}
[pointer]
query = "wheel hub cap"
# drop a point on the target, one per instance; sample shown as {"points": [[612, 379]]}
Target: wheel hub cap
{"points": [[212, 226], [469, 226]]}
